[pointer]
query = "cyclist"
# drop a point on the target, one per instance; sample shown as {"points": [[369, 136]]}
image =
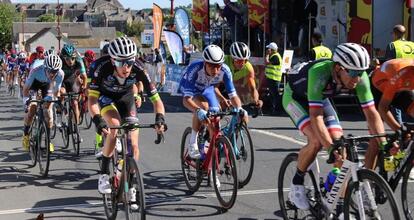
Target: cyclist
{"points": [[37, 59], [198, 85], [313, 114], [73, 66], [12, 70], [243, 74], [23, 69], [47, 78], [111, 99], [88, 58]]}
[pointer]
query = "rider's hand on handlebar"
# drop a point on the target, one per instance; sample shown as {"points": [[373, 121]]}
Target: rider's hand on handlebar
{"points": [[100, 125], [160, 125], [202, 115]]}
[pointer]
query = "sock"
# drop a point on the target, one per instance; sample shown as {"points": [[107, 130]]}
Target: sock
{"points": [[26, 130], [193, 138], [105, 165], [299, 177]]}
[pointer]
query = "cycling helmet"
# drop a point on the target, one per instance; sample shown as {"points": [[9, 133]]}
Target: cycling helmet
{"points": [[68, 50], [213, 54], [40, 49], [49, 52], [53, 62], [105, 50], [22, 56], [122, 48], [13, 55], [239, 50], [352, 56], [89, 55]]}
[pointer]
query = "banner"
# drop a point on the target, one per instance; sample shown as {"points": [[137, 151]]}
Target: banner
{"points": [[175, 45], [163, 52], [408, 14], [359, 22], [200, 16], [331, 22], [259, 14], [182, 25], [157, 24]]}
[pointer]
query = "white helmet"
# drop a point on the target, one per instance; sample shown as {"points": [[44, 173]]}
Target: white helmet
{"points": [[22, 55], [122, 48], [239, 50], [213, 54], [49, 52], [352, 56], [53, 62]]}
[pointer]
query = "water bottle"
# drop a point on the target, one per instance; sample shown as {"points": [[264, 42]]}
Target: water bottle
{"points": [[389, 163], [203, 149], [330, 179]]}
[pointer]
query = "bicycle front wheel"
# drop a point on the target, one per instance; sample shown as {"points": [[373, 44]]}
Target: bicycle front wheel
{"points": [[110, 200], [407, 192], [75, 134], [378, 201], [64, 129], [191, 168], [33, 135], [289, 210], [135, 204], [244, 152], [225, 173], [43, 150]]}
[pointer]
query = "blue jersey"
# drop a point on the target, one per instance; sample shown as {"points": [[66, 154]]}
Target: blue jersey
{"points": [[36, 63], [195, 80], [39, 74], [23, 65], [11, 63]]}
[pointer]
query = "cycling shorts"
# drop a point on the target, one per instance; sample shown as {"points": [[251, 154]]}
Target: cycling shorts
{"points": [[125, 105], [210, 96], [298, 110], [70, 84]]}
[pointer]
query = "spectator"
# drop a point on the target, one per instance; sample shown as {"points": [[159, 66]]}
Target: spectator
{"points": [[273, 74], [236, 17], [395, 48], [318, 51], [157, 63]]}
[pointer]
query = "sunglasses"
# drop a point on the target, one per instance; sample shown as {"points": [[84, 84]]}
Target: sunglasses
{"points": [[239, 61], [70, 58], [353, 73], [123, 63], [52, 71], [215, 66]]}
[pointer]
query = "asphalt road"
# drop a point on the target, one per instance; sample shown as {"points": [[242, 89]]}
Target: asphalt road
{"points": [[70, 191]]}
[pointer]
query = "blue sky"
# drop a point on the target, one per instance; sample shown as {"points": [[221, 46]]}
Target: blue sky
{"points": [[134, 4]]}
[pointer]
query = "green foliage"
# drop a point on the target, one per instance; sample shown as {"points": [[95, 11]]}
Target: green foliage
{"points": [[7, 15], [47, 18], [135, 28], [119, 34]]}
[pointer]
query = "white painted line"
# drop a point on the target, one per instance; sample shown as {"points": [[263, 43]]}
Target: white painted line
{"points": [[284, 137], [49, 208]]}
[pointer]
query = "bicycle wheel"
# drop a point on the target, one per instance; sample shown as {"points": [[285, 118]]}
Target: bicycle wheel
{"points": [[225, 173], [88, 120], [81, 111], [191, 168], [64, 129], [370, 184], [407, 193], [33, 133], [110, 200], [289, 210], [53, 129], [43, 149], [74, 131], [134, 211], [244, 152]]}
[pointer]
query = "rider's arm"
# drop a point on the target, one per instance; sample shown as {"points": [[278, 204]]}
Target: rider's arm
{"points": [[93, 95], [251, 84], [190, 104], [228, 83], [28, 84], [386, 115], [318, 125], [58, 83], [219, 95]]}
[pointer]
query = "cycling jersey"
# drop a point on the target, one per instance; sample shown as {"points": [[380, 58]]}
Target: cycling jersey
{"points": [[195, 80], [23, 66], [39, 77], [36, 63], [240, 79], [103, 81], [393, 77], [11, 63], [314, 82], [71, 70]]}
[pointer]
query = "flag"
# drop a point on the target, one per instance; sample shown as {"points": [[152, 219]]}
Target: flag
{"points": [[200, 16], [182, 25], [258, 14], [175, 45], [157, 24]]}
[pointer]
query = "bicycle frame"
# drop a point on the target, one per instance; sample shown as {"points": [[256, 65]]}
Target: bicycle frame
{"points": [[229, 132]]}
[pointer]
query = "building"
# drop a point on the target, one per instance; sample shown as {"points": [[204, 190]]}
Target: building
{"points": [[46, 37]]}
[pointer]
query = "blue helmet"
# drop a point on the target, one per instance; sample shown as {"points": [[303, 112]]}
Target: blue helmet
{"points": [[68, 50]]}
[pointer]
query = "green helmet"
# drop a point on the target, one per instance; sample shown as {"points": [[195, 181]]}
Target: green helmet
{"points": [[68, 50]]}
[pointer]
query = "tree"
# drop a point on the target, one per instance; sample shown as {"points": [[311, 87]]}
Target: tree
{"points": [[135, 28], [47, 18], [7, 15], [119, 34]]}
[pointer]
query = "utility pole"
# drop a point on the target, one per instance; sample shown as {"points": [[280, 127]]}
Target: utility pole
{"points": [[59, 36], [172, 8], [23, 20]]}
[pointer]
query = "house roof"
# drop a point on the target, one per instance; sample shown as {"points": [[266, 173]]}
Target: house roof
{"points": [[43, 32], [73, 29], [104, 32], [117, 15], [99, 3], [43, 6], [5, 1]]}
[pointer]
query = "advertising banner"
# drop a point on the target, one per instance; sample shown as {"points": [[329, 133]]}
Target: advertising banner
{"points": [[331, 22], [182, 25], [200, 16], [157, 24], [408, 14], [360, 23], [173, 78], [258, 14], [175, 45]]}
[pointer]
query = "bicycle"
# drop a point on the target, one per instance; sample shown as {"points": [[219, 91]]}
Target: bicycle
{"points": [[219, 160], [131, 177], [69, 126], [403, 168], [84, 111], [362, 204], [39, 141], [238, 133]]}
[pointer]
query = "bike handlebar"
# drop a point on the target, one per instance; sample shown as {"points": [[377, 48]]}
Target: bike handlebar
{"points": [[128, 127]]}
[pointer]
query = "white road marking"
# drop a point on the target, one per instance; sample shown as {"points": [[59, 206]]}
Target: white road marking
{"points": [[284, 137]]}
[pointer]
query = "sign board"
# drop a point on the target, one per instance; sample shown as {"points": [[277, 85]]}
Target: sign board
{"points": [[147, 37], [287, 60]]}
